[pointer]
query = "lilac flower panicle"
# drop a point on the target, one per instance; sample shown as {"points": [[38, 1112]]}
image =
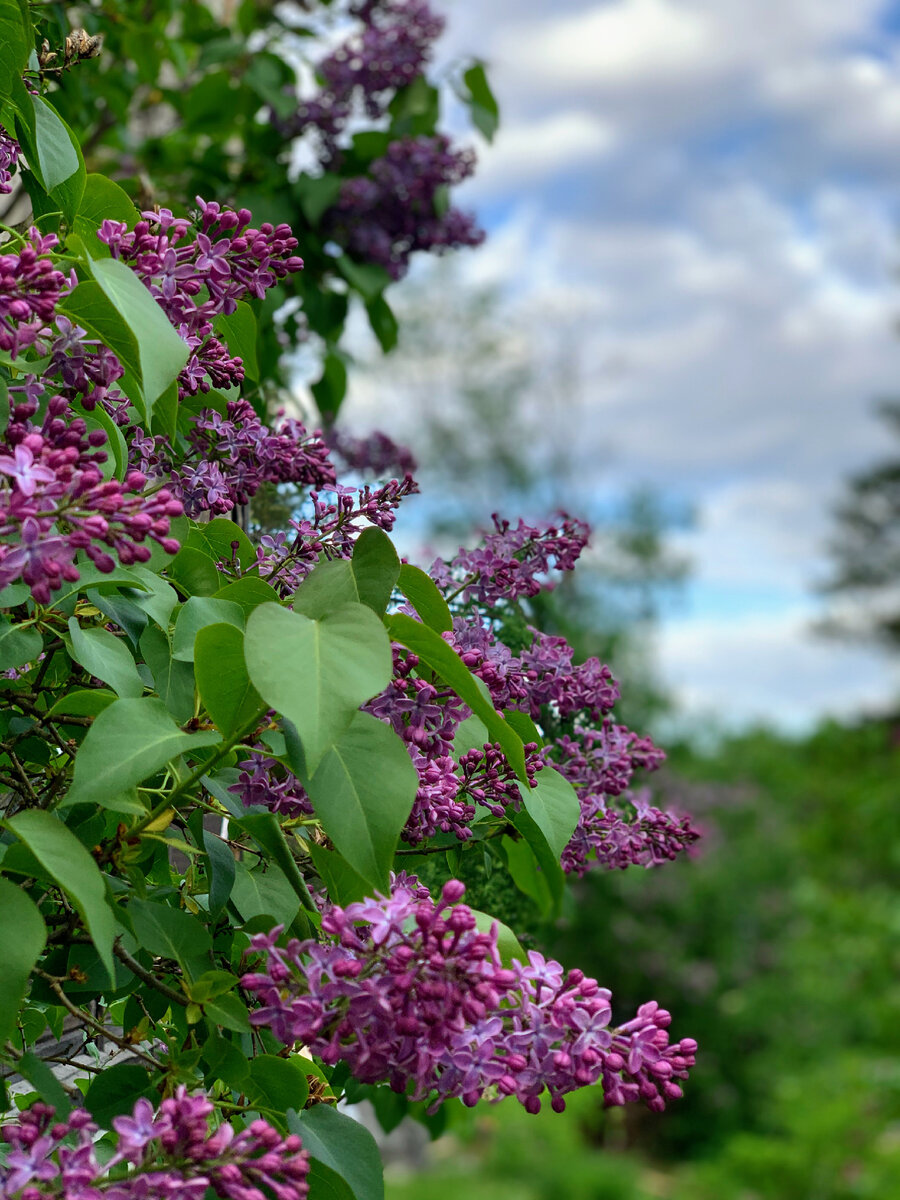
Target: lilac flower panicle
{"points": [[263, 781], [388, 214], [170, 1152], [50, 474], [9, 157], [30, 288], [408, 990], [199, 270]]}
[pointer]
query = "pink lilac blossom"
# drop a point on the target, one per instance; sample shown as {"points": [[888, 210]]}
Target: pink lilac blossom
{"points": [[408, 990], [169, 1152], [197, 271], [392, 211], [30, 289]]}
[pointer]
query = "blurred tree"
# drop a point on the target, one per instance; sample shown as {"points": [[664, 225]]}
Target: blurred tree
{"points": [[865, 549], [492, 402]]}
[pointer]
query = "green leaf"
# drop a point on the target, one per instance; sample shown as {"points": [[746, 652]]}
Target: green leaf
{"points": [[249, 592], [121, 611], [115, 1092], [368, 279], [343, 884], [228, 1011], [317, 673], [87, 702], [115, 439], [317, 194], [170, 933], [266, 831], [545, 876], [161, 352], [16, 43], [128, 742], [18, 646], [507, 942], [195, 614], [221, 672], [221, 871], [105, 656], [444, 661], [45, 1083], [482, 102], [216, 540], [553, 805], [173, 680], [278, 1083], [104, 200], [239, 333], [331, 386], [422, 593], [194, 572], [158, 598], [343, 1145], [368, 578], [383, 323], [325, 1184], [264, 893], [24, 938], [57, 155], [60, 852], [363, 793]]}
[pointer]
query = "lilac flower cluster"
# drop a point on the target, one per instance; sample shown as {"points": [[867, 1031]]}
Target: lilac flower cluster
{"points": [[54, 502], [648, 838], [196, 272], [427, 718], [513, 562], [600, 763], [375, 453], [386, 215], [409, 991], [543, 674], [9, 157], [231, 456], [168, 1153], [30, 289], [329, 529], [264, 781], [388, 51]]}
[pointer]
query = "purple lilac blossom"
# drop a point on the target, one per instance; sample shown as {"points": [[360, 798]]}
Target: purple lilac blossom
{"points": [[263, 781], [170, 1152], [54, 503], [514, 562], [9, 157], [388, 214], [196, 272], [232, 456], [390, 48], [30, 289], [375, 453], [409, 991]]}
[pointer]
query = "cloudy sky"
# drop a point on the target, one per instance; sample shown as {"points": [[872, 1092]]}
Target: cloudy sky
{"points": [[706, 194]]}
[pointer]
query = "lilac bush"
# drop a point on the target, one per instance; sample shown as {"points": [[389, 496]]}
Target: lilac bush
{"points": [[221, 743]]}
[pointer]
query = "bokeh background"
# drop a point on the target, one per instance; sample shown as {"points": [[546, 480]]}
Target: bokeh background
{"points": [[679, 326]]}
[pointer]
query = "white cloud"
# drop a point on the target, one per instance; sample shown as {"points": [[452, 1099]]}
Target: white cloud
{"points": [[630, 40], [523, 153], [771, 669]]}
